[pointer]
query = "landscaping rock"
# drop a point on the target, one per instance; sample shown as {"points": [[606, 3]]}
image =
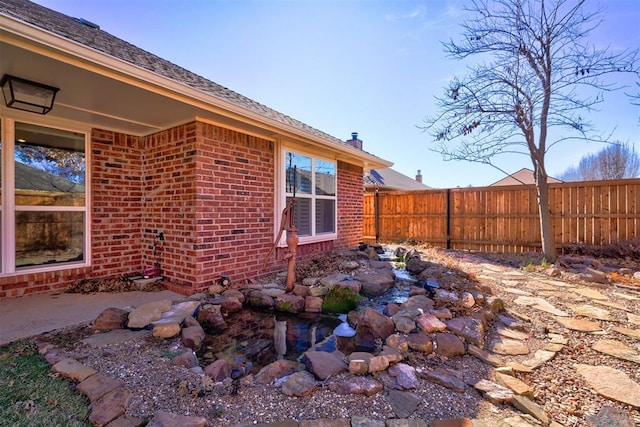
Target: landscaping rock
{"points": [[299, 384], [506, 346], [313, 304], [166, 330], [210, 317], [367, 386], [166, 419], [145, 314], [275, 370], [373, 326], [324, 365], [187, 359], [260, 300], [611, 383], [289, 303], [72, 369], [494, 393], [97, 385], [617, 349], [420, 341], [192, 337], [405, 376], [111, 318], [218, 370], [449, 345], [444, 377], [110, 406], [228, 304], [429, 323], [375, 283], [469, 328], [403, 403], [418, 301]]}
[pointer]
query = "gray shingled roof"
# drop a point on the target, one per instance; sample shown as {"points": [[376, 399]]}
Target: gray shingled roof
{"points": [[73, 29], [389, 179]]}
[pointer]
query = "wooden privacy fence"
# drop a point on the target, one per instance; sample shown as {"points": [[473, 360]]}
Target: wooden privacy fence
{"points": [[505, 219]]}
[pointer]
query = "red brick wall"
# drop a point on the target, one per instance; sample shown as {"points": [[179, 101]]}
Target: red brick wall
{"points": [[209, 190], [350, 198], [116, 197], [116, 219], [169, 193], [234, 204]]}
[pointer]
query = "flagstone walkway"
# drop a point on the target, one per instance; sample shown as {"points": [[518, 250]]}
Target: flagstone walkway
{"points": [[573, 347]]}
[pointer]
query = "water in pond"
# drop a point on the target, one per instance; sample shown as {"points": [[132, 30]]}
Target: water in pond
{"points": [[262, 338]]}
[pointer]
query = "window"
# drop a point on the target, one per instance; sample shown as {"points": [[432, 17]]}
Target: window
{"points": [[44, 209], [312, 181]]}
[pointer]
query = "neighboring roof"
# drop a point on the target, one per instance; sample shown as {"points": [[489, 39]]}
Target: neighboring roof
{"points": [[91, 36], [523, 177], [30, 178], [389, 179]]}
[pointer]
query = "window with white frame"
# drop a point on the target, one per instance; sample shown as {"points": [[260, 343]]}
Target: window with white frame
{"points": [[312, 181], [44, 197]]}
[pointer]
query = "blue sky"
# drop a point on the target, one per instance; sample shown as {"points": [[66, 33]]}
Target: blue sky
{"points": [[342, 66]]}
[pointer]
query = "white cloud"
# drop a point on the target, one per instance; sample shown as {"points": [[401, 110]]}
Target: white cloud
{"points": [[418, 13]]}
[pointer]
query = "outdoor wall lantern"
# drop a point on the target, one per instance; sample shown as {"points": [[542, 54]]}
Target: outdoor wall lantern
{"points": [[26, 95]]}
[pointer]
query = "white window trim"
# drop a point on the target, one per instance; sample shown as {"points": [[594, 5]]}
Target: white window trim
{"points": [[8, 194], [281, 195]]}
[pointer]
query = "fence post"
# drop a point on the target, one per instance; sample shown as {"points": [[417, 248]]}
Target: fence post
{"points": [[448, 218], [376, 210]]}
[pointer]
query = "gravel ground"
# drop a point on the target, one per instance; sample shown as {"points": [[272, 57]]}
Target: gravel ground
{"points": [[145, 366]]}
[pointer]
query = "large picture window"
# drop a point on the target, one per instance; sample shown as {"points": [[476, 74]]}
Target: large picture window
{"points": [[312, 181], [44, 197]]}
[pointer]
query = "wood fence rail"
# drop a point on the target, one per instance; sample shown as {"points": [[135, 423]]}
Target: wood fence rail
{"points": [[505, 219]]}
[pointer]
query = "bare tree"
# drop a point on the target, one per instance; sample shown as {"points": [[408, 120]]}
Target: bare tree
{"points": [[616, 161], [538, 58]]}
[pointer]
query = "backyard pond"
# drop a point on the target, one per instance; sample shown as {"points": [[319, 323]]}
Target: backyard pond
{"points": [[262, 337]]}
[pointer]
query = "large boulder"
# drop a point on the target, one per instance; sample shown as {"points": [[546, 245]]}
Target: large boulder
{"points": [[373, 329], [376, 283], [415, 266]]}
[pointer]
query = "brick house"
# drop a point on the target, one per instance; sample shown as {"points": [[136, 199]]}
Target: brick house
{"points": [[165, 165]]}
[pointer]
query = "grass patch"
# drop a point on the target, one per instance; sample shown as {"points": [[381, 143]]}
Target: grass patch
{"points": [[30, 395]]}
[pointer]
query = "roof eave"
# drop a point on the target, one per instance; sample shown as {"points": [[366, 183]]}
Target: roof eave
{"points": [[47, 43]]}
